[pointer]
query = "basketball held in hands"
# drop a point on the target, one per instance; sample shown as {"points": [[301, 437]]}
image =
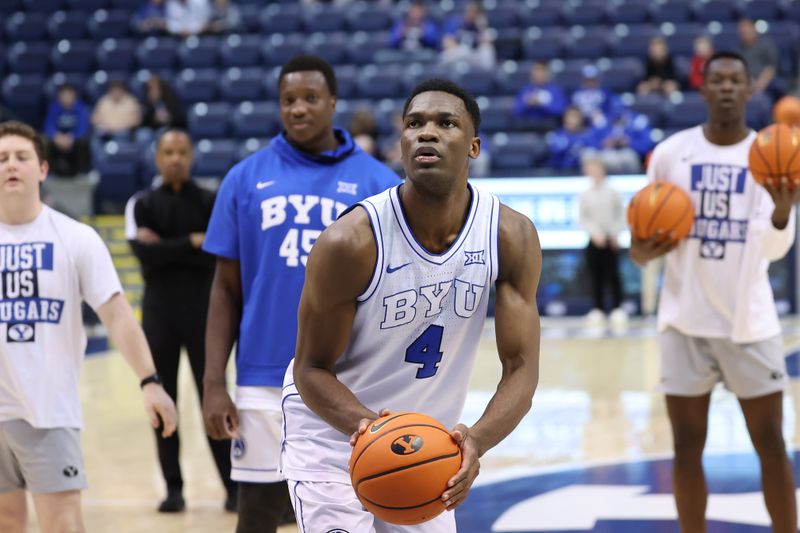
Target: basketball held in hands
{"points": [[660, 208], [775, 154]]}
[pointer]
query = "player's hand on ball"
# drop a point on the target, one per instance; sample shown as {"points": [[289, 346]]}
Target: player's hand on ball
{"points": [[364, 423], [219, 414], [644, 250], [159, 405], [459, 484], [785, 194]]}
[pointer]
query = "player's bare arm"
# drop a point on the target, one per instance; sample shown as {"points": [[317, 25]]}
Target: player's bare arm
{"points": [[117, 316], [339, 269], [785, 197], [222, 329], [517, 330]]}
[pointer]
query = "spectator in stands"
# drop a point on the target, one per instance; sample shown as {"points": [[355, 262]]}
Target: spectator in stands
{"points": [[67, 127], [225, 17], [415, 31], [542, 101], [150, 18], [390, 145], [162, 109], [703, 49], [659, 74], [622, 143], [117, 112], [602, 216], [364, 130], [467, 39], [567, 143], [761, 56], [597, 103], [187, 17]]}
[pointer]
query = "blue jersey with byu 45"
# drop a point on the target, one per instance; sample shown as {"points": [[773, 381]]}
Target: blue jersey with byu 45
{"points": [[269, 211]]}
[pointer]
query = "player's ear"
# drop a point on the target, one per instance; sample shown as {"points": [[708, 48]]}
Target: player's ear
{"points": [[475, 148], [45, 168]]}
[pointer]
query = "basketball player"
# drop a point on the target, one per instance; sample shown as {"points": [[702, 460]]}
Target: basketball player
{"points": [[717, 318], [269, 211], [392, 309], [166, 225], [49, 264]]}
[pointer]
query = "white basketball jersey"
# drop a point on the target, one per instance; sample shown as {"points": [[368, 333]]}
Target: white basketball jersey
{"points": [[414, 337]]}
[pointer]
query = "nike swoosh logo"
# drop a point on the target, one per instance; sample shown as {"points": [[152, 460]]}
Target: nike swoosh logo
{"points": [[264, 184], [377, 427], [389, 268]]}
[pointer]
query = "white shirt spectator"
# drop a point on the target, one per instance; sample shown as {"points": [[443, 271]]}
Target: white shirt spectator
{"points": [[187, 17]]}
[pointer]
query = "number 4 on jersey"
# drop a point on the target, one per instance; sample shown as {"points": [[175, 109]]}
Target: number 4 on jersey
{"points": [[426, 351]]}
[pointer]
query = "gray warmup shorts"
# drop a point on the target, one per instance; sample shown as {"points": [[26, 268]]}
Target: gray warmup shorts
{"points": [[40, 460], [692, 366]]}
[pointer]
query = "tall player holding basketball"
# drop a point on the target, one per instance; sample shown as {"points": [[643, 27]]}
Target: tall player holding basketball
{"points": [[392, 309], [51, 264], [717, 317]]}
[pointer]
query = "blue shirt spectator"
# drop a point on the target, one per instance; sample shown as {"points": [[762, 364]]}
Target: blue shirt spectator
{"points": [[542, 98], [67, 115], [566, 143], [415, 30], [151, 17], [595, 101], [629, 130], [466, 38]]}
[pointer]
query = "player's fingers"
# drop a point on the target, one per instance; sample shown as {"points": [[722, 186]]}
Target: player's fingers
{"points": [[384, 412], [232, 424], [153, 416], [170, 419]]}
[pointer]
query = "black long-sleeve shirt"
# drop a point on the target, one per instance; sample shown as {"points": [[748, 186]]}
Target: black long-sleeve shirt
{"points": [[174, 272]]}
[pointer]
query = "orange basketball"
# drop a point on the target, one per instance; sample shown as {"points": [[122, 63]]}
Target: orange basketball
{"points": [[776, 153], [401, 465], [660, 206], [787, 111]]}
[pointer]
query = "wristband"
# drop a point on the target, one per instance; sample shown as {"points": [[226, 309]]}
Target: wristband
{"points": [[153, 378]]}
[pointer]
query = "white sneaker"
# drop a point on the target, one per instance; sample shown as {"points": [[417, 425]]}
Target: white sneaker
{"points": [[595, 319], [619, 317]]}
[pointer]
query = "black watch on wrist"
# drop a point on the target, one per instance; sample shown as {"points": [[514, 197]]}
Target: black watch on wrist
{"points": [[152, 378]]}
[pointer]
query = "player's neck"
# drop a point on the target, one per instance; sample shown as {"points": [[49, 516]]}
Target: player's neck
{"points": [[14, 212], [435, 221], [725, 133], [325, 143]]}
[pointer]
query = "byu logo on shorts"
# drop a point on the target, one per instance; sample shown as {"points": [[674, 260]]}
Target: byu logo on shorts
{"points": [[407, 444], [20, 333], [238, 448], [70, 471]]}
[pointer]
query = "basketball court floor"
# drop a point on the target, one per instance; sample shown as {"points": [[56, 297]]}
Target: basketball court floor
{"points": [[592, 454]]}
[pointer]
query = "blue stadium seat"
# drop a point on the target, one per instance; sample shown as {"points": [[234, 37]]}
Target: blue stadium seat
{"points": [[623, 74], [252, 145], [507, 43], [571, 75], [413, 74], [27, 58], [157, 53], [686, 113], [512, 76], [543, 15], [255, 119], [346, 76], [51, 85], [587, 47], [23, 94], [761, 9], [209, 119], [651, 105], [384, 82], [105, 24], [718, 10], [241, 51], [333, 47], [627, 13], [584, 14], [250, 18], [73, 56], [515, 151], [113, 54], [281, 48], [791, 11], [213, 159], [681, 43], [43, 6], [9, 7], [26, 27], [365, 17], [478, 82], [363, 45], [281, 18], [503, 16], [496, 113], [97, 84], [240, 84], [759, 111], [127, 5], [324, 18], [544, 47], [197, 85], [119, 166], [66, 25], [87, 5], [672, 11], [198, 52]]}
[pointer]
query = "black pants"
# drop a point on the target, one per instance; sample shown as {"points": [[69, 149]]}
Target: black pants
{"points": [[167, 329], [72, 163], [603, 266]]}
